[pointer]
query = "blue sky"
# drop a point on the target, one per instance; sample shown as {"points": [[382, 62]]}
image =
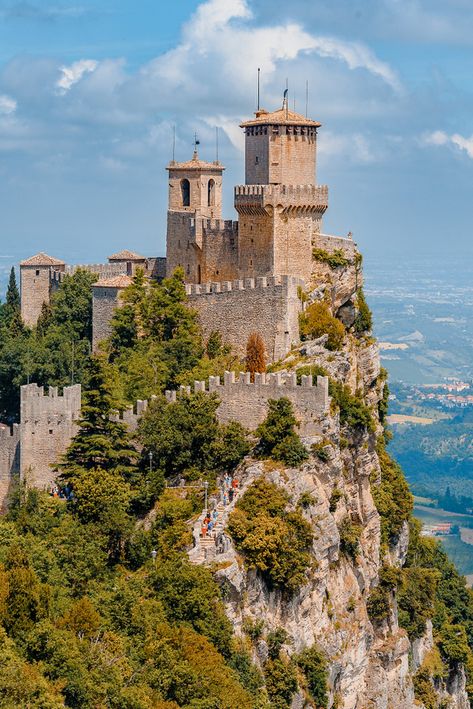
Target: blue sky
{"points": [[90, 91]]}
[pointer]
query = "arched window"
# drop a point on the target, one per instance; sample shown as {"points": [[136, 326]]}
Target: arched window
{"points": [[186, 193], [211, 193]]}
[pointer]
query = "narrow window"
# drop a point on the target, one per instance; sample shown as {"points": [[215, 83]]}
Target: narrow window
{"points": [[37, 271], [186, 193], [211, 193], [256, 160]]}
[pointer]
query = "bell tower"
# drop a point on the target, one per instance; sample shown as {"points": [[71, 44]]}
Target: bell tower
{"points": [[195, 197], [195, 187]]}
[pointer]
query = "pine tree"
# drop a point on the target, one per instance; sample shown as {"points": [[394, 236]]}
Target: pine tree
{"points": [[101, 442], [13, 294], [10, 313], [255, 354]]}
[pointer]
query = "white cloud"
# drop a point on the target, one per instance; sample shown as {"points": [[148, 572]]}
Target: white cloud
{"points": [[454, 140], [8, 105], [73, 73]]}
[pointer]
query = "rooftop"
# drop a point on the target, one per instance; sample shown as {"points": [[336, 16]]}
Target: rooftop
{"points": [[115, 282], [126, 255], [42, 259], [195, 164], [281, 117]]}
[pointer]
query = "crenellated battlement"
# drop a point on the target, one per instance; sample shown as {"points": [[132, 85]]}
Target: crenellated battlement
{"points": [[247, 402], [243, 284], [254, 199], [332, 243], [220, 225]]}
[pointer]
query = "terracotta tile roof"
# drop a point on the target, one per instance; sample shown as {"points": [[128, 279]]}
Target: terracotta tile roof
{"points": [[282, 117], [126, 255], [195, 164], [115, 282], [42, 259]]}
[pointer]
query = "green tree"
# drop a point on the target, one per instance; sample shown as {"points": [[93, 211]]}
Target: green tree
{"points": [[277, 435], [101, 442]]}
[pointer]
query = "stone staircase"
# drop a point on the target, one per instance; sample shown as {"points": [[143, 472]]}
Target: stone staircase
{"points": [[211, 548]]}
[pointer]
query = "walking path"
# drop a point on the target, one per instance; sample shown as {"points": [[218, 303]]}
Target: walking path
{"points": [[209, 544]]}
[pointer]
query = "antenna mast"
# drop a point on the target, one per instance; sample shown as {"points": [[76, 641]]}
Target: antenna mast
{"points": [[287, 97], [307, 98], [174, 143], [259, 72]]}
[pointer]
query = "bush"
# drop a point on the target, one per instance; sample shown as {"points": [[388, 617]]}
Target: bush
{"points": [[424, 690], [320, 450], [315, 370], [391, 496], [335, 258], [281, 682], [335, 497], [416, 600], [453, 643], [350, 533], [364, 318], [316, 321], [272, 540], [278, 438], [314, 666], [353, 412], [378, 605]]}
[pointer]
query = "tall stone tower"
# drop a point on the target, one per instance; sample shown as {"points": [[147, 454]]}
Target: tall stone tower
{"points": [[36, 281], [280, 207], [195, 196]]}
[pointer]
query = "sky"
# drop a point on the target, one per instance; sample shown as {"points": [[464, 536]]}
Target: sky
{"points": [[90, 92]]}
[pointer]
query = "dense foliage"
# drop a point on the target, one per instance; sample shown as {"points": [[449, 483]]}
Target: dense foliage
{"points": [[391, 495], [82, 631], [273, 539], [334, 259], [277, 436], [316, 321], [55, 352]]}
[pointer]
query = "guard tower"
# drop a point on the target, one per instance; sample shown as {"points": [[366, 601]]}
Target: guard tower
{"points": [[280, 207], [36, 283], [195, 202]]}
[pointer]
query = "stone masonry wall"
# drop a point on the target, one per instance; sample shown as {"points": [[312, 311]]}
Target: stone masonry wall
{"points": [[47, 426], [35, 290], [104, 302], [9, 459], [331, 243], [269, 306], [220, 250], [246, 402]]}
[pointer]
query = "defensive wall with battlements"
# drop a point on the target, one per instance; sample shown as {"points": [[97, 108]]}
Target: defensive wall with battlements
{"points": [[9, 459], [47, 424], [269, 306], [247, 402]]}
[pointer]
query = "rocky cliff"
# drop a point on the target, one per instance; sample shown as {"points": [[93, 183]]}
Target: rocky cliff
{"points": [[371, 661]]}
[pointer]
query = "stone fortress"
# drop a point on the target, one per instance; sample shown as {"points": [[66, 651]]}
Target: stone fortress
{"points": [[241, 276]]}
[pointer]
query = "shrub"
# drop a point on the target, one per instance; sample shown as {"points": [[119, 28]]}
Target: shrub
{"points": [[281, 682], [278, 438], [378, 605], [311, 369], [416, 599], [350, 533], [353, 412], [275, 640], [336, 495], [253, 628], [306, 500], [316, 321], [424, 690], [320, 450], [453, 643], [364, 318], [334, 259], [314, 666], [391, 496], [272, 540]]}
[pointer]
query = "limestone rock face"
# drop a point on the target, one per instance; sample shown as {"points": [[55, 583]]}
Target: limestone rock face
{"points": [[371, 666]]}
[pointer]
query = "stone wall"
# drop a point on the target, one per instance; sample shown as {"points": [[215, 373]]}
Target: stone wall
{"points": [[331, 243], [246, 402], [9, 459], [269, 306], [220, 250], [46, 428], [104, 302]]}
